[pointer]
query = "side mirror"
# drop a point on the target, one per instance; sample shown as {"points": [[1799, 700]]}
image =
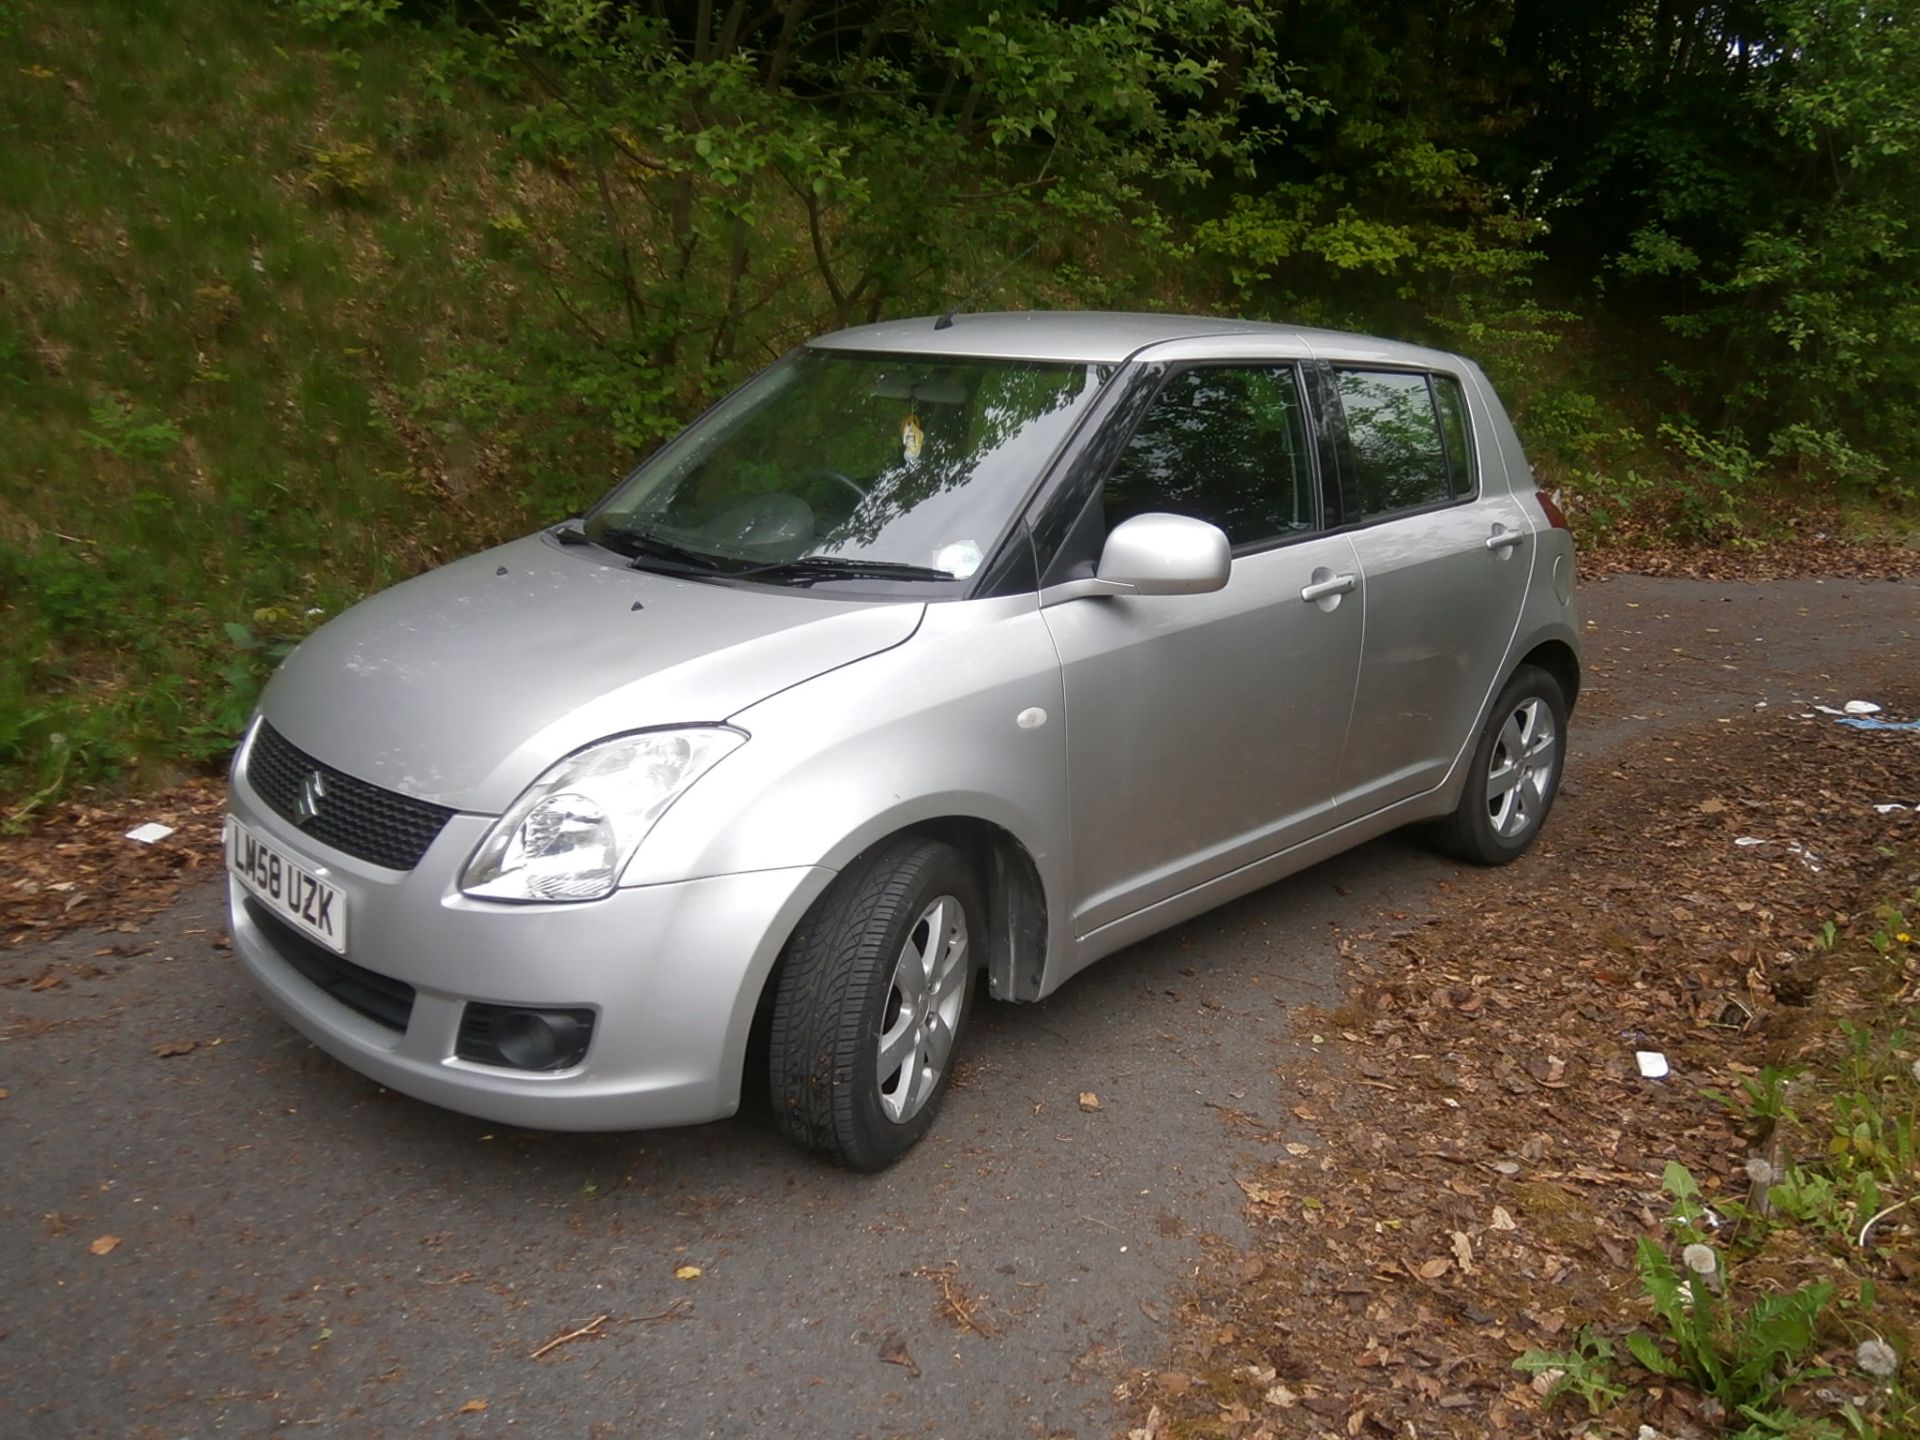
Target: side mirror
{"points": [[1155, 554], [1158, 554]]}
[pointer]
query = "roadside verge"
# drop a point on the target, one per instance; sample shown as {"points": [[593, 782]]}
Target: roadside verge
{"points": [[1487, 1157]]}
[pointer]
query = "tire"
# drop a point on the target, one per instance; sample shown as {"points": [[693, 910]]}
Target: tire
{"points": [[1525, 743], [874, 990]]}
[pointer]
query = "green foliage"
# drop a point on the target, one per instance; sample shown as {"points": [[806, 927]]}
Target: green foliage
{"points": [[299, 299], [120, 431], [342, 15], [1743, 1355], [342, 173], [785, 181], [1744, 1358], [1587, 1370], [1762, 1100]]}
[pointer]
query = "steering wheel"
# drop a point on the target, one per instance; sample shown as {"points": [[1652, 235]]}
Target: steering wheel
{"points": [[827, 472]]}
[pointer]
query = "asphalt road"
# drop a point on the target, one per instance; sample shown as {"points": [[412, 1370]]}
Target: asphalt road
{"points": [[301, 1250]]}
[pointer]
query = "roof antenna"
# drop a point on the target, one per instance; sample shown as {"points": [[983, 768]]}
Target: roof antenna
{"points": [[945, 322]]}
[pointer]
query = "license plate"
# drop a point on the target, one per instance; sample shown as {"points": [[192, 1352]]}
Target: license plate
{"points": [[288, 888]]}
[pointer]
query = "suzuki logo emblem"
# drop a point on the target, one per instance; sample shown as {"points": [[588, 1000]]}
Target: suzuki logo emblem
{"points": [[313, 789]]}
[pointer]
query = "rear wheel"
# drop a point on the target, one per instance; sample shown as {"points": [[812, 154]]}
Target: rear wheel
{"points": [[1514, 773], [875, 987]]}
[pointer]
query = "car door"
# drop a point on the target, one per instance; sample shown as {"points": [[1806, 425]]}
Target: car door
{"points": [[1445, 557], [1205, 731]]}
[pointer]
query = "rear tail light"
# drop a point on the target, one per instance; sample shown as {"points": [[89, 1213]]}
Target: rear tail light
{"points": [[1556, 517]]}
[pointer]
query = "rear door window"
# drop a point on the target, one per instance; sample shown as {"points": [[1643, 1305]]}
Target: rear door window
{"points": [[1224, 444], [1408, 447]]}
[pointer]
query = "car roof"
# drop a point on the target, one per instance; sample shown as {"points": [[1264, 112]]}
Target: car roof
{"points": [[1099, 337]]}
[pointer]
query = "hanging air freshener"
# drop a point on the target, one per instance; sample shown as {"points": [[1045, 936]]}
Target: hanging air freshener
{"points": [[912, 438]]}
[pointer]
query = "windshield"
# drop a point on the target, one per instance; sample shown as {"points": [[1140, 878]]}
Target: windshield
{"points": [[835, 466]]}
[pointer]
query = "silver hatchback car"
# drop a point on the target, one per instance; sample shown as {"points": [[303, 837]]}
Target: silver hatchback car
{"points": [[941, 651]]}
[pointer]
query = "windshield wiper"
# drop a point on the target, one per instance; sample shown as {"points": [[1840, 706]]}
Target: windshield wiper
{"points": [[810, 568], [640, 545]]}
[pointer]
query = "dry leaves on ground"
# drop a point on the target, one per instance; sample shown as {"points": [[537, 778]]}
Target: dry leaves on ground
{"points": [[1808, 556], [76, 868], [1487, 1152]]}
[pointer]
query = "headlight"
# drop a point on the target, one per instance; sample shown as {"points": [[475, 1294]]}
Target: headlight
{"points": [[571, 833]]}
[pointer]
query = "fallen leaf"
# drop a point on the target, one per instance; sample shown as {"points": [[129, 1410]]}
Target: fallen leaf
{"points": [[1174, 1382], [1713, 806], [1296, 1148], [1433, 1269], [46, 981], [1463, 1252], [1281, 1398], [4, 1092], [169, 1048], [894, 1352], [1502, 1220], [472, 1407], [1089, 1100], [687, 1272], [1154, 1310], [105, 1245], [1150, 1430]]}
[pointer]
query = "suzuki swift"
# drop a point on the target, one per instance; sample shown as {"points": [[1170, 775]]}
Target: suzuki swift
{"points": [[943, 653]]}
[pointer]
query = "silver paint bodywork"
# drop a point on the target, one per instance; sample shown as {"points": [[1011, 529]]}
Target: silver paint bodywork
{"points": [[1130, 759]]}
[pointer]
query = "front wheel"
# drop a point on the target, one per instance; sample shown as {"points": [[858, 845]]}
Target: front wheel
{"points": [[875, 986], [1514, 773]]}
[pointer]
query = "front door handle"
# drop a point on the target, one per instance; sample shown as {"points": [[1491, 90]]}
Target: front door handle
{"points": [[1321, 589], [1502, 539]]}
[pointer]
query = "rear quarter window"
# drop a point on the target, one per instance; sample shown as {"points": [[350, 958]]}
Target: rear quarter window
{"points": [[1457, 436]]}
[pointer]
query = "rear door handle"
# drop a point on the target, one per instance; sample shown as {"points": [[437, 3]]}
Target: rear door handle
{"points": [[1338, 585], [1505, 539]]}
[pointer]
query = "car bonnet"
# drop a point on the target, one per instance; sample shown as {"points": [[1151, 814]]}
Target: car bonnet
{"points": [[461, 686]]}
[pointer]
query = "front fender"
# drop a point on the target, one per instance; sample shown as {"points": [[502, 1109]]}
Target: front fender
{"points": [[966, 720]]}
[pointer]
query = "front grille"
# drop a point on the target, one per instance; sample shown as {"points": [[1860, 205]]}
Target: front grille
{"points": [[380, 998], [372, 824]]}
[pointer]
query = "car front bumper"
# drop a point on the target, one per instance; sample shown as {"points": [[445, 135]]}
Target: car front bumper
{"points": [[672, 973]]}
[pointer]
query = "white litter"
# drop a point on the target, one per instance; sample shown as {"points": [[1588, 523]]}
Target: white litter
{"points": [[148, 833], [1862, 707], [1746, 840], [1889, 809], [1653, 1065]]}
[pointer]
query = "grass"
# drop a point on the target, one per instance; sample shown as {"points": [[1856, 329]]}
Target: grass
{"points": [[225, 323]]}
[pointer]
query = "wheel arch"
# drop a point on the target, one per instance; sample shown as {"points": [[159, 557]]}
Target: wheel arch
{"points": [[1015, 896], [1558, 659], [1011, 886]]}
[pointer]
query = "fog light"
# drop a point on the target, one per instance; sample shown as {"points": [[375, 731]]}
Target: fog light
{"points": [[524, 1039]]}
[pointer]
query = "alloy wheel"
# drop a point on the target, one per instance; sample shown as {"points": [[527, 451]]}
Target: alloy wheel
{"points": [[922, 1015], [1521, 771]]}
